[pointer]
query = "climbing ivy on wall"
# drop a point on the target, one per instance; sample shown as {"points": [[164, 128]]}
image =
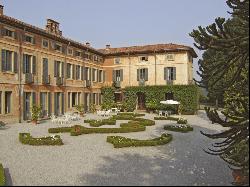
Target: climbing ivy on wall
{"points": [[108, 97], [187, 95]]}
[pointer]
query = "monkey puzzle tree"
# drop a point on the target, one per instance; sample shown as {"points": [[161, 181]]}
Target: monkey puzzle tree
{"points": [[226, 72]]}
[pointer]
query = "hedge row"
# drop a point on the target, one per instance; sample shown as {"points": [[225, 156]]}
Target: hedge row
{"points": [[98, 123], [120, 142], [130, 127], [127, 116], [2, 176], [60, 130], [179, 128], [179, 120], [26, 138]]}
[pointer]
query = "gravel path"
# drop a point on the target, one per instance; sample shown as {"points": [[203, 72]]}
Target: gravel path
{"points": [[89, 160]]}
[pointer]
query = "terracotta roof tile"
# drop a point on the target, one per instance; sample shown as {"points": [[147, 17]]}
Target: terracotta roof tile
{"points": [[148, 49]]}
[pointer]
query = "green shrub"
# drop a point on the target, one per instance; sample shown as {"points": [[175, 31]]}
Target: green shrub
{"points": [[166, 118], [120, 142], [98, 123], [26, 138], [145, 122], [59, 130], [2, 176], [182, 121], [179, 128], [187, 95], [79, 130]]}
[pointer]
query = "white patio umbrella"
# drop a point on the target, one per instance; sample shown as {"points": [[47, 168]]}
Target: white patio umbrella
{"points": [[170, 102]]}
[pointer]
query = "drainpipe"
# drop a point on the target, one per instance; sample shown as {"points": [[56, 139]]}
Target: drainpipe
{"points": [[20, 78]]}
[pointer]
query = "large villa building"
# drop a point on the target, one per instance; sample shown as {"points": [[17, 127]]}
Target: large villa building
{"points": [[40, 66]]}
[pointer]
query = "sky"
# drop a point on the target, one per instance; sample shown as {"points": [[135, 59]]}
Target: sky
{"points": [[122, 23]]}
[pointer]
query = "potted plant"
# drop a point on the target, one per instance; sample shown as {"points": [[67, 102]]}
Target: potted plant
{"points": [[35, 113], [80, 109]]}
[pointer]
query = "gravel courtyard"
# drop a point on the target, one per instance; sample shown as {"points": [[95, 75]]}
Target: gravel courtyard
{"points": [[89, 160]]}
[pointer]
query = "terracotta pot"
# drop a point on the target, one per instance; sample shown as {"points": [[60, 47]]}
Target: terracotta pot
{"points": [[34, 122], [239, 177]]}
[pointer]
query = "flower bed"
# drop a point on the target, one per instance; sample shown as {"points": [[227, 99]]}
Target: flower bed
{"points": [[182, 121], [2, 176], [179, 120], [98, 123], [130, 127], [179, 128], [145, 122], [120, 142], [26, 138], [127, 116], [59, 130]]}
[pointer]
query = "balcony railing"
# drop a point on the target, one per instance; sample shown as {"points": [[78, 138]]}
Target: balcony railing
{"points": [[46, 79], [29, 78], [59, 81], [170, 82], [117, 84], [142, 82]]}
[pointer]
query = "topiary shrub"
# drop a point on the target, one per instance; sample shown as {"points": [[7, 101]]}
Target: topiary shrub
{"points": [[119, 141], [182, 121], [98, 123], [179, 128], [59, 130], [131, 127], [2, 176], [26, 138]]}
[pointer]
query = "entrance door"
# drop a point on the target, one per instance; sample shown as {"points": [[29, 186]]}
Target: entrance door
{"points": [[57, 104], [86, 102], [141, 101]]}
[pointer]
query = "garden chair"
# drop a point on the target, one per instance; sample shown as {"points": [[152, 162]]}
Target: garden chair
{"points": [[107, 113], [161, 113]]}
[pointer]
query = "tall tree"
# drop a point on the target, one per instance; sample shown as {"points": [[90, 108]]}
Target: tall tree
{"points": [[229, 41]]}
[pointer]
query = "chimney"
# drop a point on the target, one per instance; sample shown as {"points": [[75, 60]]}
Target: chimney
{"points": [[1, 10], [53, 27], [87, 44], [108, 46]]}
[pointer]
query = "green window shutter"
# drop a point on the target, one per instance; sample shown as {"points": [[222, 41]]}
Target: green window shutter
{"points": [[114, 75], [165, 73], [34, 65], [34, 98], [55, 69], [62, 64], [82, 71], [24, 63], [121, 73], [49, 103], [174, 72], [138, 74], [15, 62], [4, 63], [146, 74]]}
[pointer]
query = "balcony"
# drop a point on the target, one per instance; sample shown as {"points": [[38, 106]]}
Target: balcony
{"points": [[142, 82], [46, 79], [117, 84], [87, 84], [59, 81], [29, 78], [170, 82]]}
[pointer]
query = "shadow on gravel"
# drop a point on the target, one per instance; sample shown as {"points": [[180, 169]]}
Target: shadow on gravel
{"points": [[8, 177], [181, 162]]}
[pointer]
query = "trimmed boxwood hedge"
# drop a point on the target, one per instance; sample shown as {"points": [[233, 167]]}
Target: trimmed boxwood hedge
{"points": [[59, 130], [179, 120], [119, 141], [187, 95], [130, 127], [26, 138], [98, 123], [2, 176], [145, 122], [179, 128]]}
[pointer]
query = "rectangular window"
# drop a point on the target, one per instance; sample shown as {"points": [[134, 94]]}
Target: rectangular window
{"points": [[78, 69], [45, 43], [171, 73], [9, 33], [100, 76], [7, 102], [144, 59], [95, 58], [29, 39], [117, 60], [69, 71], [44, 103], [86, 73], [170, 57], [58, 47], [70, 52], [78, 53], [9, 60], [27, 68], [93, 74], [142, 74]]}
